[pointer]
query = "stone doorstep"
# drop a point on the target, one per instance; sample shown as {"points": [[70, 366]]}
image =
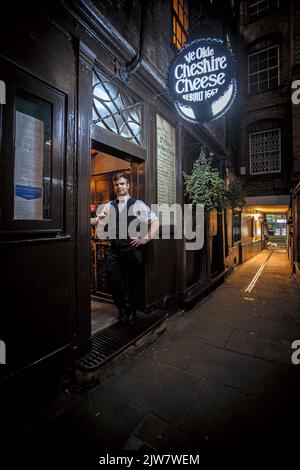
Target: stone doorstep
{"points": [[103, 372]]}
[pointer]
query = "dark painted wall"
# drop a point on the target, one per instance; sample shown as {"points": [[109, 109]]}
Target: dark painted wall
{"points": [[38, 265]]}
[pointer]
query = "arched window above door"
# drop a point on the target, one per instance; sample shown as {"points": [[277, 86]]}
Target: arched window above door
{"points": [[115, 110]]}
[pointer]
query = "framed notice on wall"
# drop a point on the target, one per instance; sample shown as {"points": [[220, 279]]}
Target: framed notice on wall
{"points": [[29, 160], [166, 162], [33, 155]]}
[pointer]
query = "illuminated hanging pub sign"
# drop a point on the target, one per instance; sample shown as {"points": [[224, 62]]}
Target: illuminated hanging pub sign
{"points": [[202, 80]]}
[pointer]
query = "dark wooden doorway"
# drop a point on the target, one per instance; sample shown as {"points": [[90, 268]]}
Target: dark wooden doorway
{"points": [[103, 165]]}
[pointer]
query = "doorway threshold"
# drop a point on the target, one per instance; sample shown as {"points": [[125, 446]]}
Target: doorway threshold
{"points": [[117, 341]]}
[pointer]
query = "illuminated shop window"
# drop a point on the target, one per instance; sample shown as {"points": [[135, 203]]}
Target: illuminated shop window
{"points": [[263, 70], [265, 152], [257, 8], [180, 22], [115, 110]]}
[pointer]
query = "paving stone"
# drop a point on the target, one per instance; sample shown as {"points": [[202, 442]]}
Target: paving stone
{"points": [[176, 352], [274, 383], [256, 345], [223, 417], [134, 443], [217, 364], [277, 329], [157, 388], [98, 421], [161, 435]]}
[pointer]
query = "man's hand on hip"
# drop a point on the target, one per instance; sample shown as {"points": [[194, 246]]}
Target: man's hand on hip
{"points": [[138, 241]]}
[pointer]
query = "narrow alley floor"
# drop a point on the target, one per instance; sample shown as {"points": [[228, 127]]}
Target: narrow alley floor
{"points": [[220, 376]]}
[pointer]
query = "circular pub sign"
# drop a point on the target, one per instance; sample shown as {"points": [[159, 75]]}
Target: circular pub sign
{"points": [[202, 80]]}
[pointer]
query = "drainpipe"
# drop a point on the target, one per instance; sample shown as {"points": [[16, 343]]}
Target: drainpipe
{"points": [[132, 66]]}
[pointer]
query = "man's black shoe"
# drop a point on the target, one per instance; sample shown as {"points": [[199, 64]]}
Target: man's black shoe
{"points": [[132, 318], [123, 316]]}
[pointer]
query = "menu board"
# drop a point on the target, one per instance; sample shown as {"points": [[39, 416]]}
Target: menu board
{"points": [[28, 175], [166, 162]]}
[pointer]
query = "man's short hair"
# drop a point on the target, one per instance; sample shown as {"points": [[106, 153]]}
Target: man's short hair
{"points": [[119, 175]]}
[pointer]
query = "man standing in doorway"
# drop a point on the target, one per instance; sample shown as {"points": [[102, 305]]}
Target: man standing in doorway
{"points": [[125, 256]]}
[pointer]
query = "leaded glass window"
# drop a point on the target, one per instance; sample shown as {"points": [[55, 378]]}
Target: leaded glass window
{"points": [[179, 22], [115, 110], [265, 152]]}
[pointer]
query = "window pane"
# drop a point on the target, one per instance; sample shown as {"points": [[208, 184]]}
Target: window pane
{"points": [[185, 22], [253, 68], [263, 76], [258, 8], [263, 86], [263, 69], [263, 65], [273, 61], [185, 7], [180, 14], [175, 6], [179, 22], [178, 32], [263, 56], [33, 152]]}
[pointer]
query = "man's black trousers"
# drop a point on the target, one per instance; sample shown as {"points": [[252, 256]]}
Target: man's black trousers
{"points": [[124, 274]]}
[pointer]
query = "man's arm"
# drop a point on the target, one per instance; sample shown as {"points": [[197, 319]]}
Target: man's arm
{"points": [[152, 229], [101, 220], [94, 220], [102, 213]]}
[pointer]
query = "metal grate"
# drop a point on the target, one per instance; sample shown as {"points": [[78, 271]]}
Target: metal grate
{"points": [[108, 343], [265, 152]]}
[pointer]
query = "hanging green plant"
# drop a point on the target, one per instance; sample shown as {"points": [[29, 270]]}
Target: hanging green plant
{"points": [[205, 185], [235, 193]]}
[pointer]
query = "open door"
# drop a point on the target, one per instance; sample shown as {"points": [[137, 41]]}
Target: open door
{"points": [[103, 166]]}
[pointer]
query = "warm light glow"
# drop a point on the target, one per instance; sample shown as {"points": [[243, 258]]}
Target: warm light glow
{"points": [[257, 274], [268, 209], [179, 22]]}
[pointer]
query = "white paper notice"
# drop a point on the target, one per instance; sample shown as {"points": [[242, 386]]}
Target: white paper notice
{"points": [[166, 162], [29, 159], [166, 166]]}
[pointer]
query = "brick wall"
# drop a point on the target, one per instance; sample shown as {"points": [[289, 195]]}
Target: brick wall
{"points": [[296, 76], [125, 16], [272, 105]]}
